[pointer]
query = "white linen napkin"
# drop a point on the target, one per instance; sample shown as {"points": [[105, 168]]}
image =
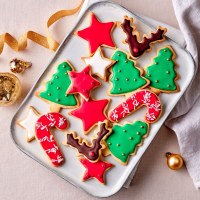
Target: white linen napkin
{"points": [[185, 118]]}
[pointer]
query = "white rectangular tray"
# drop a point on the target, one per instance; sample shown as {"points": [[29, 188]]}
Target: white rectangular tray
{"points": [[72, 49]]}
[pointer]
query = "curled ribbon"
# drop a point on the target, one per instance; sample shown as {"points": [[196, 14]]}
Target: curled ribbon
{"points": [[47, 42]]}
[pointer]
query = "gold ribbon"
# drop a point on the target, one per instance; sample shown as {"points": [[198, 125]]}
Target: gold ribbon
{"points": [[47, 42]]}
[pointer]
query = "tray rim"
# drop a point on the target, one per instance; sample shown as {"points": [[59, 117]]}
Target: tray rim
{"points": [[65, 40]]}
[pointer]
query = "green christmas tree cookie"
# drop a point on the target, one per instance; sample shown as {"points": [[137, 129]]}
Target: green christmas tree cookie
{"points": [[125, 76], [56, 89], [161, 73], [123, 140]]}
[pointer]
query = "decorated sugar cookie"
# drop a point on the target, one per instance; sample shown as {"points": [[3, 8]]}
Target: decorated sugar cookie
{"points": [[161, 73], [95, 170], [124, 140], [56, 88], [97, 34], [136, 47], [90, 151], [134, 102], [28, 123], [82, 82], [91, 112], [125, 77], [46, 139], [99, 63]]}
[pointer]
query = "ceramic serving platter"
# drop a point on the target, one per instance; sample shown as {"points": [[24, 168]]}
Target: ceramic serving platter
{"points": [[72, 49]]}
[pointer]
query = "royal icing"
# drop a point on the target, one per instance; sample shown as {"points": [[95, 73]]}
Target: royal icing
{"points": [[56, 88], [29, 123], [123, 140], [161, 72], [91, 112], [91, 152], [99, 63], [138, 48], [97, 34], [95, 170], [82, 82], [46, 140], [134, 102], [125, 76]]}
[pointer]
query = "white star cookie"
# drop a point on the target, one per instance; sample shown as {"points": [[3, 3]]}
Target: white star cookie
{"points": [[29, 122], [99, 63]]}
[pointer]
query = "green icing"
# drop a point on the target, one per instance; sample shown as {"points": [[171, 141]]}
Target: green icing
{"points": [[162, 73], [125, 77], [56, 88], [124, 139]]}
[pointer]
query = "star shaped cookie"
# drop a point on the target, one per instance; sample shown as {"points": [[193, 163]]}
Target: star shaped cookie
{"points": [[28, 123], [99, 63], [82, 82], [97, 34], [95, 170], [91, 112]]}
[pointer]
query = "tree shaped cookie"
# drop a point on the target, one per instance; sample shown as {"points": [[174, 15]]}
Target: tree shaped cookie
{"points": [[124, 140], [161, 73], [56, 88], [125, 76]]}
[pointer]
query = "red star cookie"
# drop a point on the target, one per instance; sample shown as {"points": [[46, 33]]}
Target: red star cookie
{"points": [[95, 170], [82, 82], [91, 112], [97, 34]]}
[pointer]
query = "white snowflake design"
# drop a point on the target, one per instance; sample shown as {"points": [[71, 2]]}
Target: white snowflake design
{"points": [[40, 126], [50, 117], [59, 159], [133, 96], [52, 150], [126, 109], [52, 123], [45, 138], [150, 116], [155, 106], [135, 101], [61, 121], [146, 97], [114, 115]]}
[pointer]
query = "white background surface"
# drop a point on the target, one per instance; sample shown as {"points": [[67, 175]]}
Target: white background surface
{"points": [[23, 178]]}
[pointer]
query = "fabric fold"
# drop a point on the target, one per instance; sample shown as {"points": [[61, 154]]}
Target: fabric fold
{"points": [[185, 117]]}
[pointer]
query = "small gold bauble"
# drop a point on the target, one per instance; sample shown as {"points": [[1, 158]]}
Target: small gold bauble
{"points": [[174, 161], [10, 88], [19, 66]]}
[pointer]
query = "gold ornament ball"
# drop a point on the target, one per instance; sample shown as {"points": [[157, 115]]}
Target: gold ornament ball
{"points": [[174, 161]]}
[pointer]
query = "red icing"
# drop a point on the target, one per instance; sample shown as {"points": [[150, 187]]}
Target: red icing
{"points": [[95, 170], [136, 50], [91, 112], [82, 82], [135, 101], [46, 140], [97, 34]]}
